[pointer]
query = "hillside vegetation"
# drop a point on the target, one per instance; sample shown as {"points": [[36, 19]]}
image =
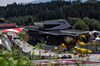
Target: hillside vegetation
{"points": [[88, 14]]}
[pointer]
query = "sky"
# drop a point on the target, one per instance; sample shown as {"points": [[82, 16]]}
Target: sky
{"points": [[5, 2]]}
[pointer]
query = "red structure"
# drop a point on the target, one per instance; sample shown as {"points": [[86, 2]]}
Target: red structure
{"points": [[14, 30], [7, 25]]}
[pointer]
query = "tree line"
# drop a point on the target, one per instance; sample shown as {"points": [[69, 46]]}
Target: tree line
{"points": [[86, 14], [84, 23], [52, 10]]}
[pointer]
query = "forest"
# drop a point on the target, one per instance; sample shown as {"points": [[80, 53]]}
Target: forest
{"points": [[82, 16]]}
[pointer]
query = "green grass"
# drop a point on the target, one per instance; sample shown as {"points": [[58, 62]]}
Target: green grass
{"points": [[13, 59], [3, 36]]}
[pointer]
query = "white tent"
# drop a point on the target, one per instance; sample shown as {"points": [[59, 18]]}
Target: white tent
{"points": [[97, 38]]}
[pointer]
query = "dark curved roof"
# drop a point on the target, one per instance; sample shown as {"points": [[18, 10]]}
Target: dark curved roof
{"points": [[55, 24], [61, 28], [69, 32]]}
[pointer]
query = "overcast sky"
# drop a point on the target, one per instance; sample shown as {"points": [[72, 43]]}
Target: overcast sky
{"points": [[5, 2]]}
